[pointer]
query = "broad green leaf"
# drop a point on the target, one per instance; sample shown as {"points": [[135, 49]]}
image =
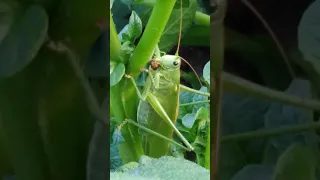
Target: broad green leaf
{"points": [[124, 176], [120, 19], [186, 97], [296, 163], [115, 159], [309, 42], [198, 97], [232, 160], [113, 125], [170, 34], [134, 29], [271, 154], [117, 136], [188, 120], [247, 113], [182, 112], [202, 113], [282, 115], [127, 167], [116, 73], [255, 172], [113, 65], [24, 40], [168, 167], [111, 3], [126, 51], [127, 2], [206, 72]]}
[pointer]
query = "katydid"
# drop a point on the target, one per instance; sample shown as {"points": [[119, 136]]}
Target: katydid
{"points": [[159, 102]]}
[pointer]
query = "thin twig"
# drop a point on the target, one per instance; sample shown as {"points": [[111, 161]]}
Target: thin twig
{"points": [[271, 132]]}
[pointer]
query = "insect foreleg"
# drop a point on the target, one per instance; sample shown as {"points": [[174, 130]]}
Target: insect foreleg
{"points": [[187, 89], [144, 95], [150, 81], [150, 131]]}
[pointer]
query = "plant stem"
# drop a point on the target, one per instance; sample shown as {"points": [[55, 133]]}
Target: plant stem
{"points": [[239, 85], [207, 153], [151, 36], [115, 42], [202, 19], [131, 149], [194, 103], [217, 58], [271, 132]]}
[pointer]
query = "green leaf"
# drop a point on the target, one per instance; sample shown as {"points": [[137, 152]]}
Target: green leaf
{"points": [[124, 176], [134, 29], [202, 113], [282, 115], [127, 167], [115, 159], [117, 71], [206, 72], [255, 172], [168, 167], [188, 120], [247, 113], [296, 163], [126, 51], [24, 40], [111, 3], [309, 41], [186, 97], [170, 34], [120, 19], [232, 158], [198, 97]]}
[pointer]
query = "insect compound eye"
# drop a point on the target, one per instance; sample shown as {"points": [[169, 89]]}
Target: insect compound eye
{"points": [[175, 63]]}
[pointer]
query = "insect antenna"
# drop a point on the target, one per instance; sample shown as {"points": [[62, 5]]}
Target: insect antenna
{"points": [[192, 70], [178, 47], [179, 39]]}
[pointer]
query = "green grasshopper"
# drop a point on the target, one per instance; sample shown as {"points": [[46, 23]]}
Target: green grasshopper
{"points": [[159, 102]]}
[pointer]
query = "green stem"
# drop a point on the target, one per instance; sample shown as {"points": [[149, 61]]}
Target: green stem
{"points": [[131, 149], [239, 85], [207, 153], [194, 103], [217, 59], [202, 19], [151, 36], [115, 42], [271, 132]]}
